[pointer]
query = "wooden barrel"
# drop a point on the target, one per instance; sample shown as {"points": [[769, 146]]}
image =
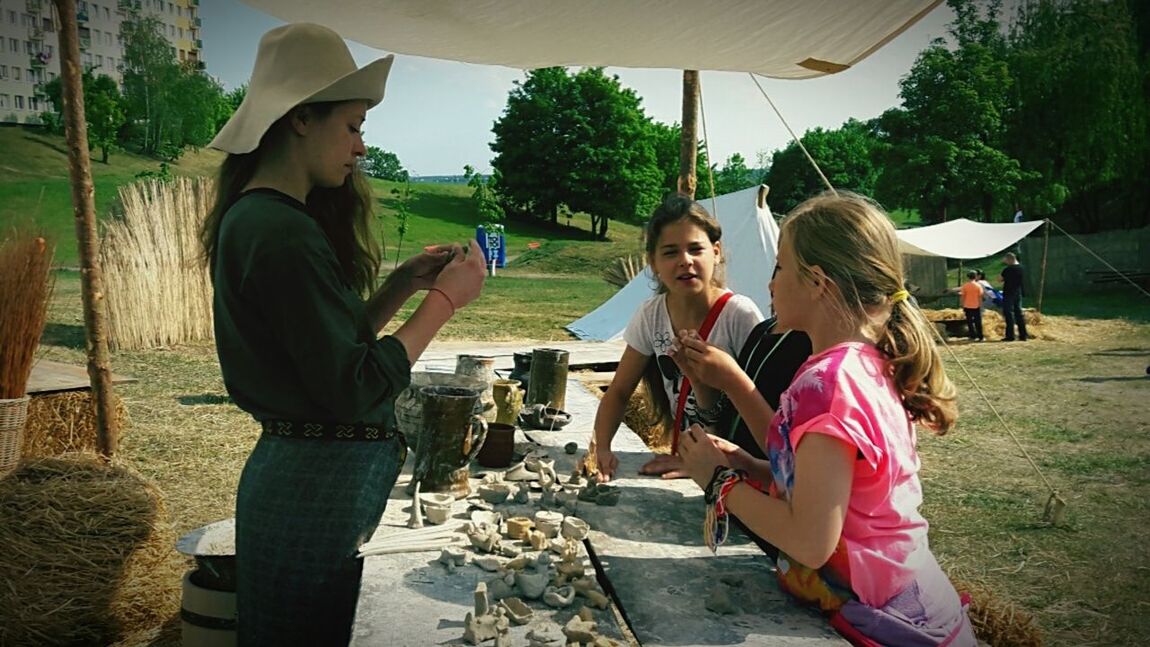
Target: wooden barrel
{"points": [[208, 616]]}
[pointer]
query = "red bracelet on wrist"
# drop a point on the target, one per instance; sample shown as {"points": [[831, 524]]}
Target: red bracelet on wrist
{"points": [[449, 301]]}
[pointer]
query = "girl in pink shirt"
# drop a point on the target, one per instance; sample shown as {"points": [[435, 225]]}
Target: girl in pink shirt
{"points": [[840, 493]]}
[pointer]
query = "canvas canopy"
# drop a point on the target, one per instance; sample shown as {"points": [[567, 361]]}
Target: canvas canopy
{"points": [[964, 238], [750, 240], [777, 38]]}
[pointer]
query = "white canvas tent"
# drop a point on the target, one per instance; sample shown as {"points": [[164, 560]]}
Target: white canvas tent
{"points": [[750, 240], [777, 38], [964, 238]]}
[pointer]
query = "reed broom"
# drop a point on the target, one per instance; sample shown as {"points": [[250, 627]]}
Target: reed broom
{"points": [[26, 283]]}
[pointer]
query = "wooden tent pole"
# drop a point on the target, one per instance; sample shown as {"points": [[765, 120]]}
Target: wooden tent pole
{"points": [[84, 209], [1042, 276], [688, 138]]}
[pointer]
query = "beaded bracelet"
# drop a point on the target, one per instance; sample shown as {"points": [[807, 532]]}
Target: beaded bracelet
{"points": [[716, 523]]}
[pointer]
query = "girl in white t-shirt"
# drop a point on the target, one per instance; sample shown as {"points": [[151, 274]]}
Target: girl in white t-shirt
{"points": [[685, 255]]}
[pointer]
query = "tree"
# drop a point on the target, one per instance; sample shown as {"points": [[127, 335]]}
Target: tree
{"points": [[665, 139], [103, 109], [578, 140], [734, 176], [533, 142], [402, 216], [1080, 117], [844, 155], [942, 151], [614, 172], [384, 165], [486, 202], [169, 106]]}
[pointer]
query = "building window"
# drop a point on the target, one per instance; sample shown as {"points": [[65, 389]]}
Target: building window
{"points": [[51, 76], [3, 101], [49, 26], [99, 61], [108, 38], [14, 45], [86, 59], [33, 104], [28, 47], [19, 102], [12, 17], [48, 50], [16, 72], [3, 71]]}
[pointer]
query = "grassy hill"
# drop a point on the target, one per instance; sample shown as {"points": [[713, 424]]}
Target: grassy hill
{"points": [[34, 187], [34, 184]]}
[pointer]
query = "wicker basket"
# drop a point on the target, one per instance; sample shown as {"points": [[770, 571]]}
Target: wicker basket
{"points": [[13, 415]]}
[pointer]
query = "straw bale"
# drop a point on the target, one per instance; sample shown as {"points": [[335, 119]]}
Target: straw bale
{"points": [[59, 423], [86, 553], [994, 326], [997, 621]]}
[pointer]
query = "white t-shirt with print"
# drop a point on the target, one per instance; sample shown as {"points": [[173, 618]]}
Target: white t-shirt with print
{"points": [[650, 333]]}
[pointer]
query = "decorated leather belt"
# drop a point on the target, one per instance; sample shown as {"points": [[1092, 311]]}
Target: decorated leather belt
{"points": [[329, 430]]}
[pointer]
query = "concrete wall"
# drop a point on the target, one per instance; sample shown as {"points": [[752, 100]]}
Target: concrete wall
{"points": [[1067, 263]]}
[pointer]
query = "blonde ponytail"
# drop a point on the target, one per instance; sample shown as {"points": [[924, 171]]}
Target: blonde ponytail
{"points": [[853, 242]]}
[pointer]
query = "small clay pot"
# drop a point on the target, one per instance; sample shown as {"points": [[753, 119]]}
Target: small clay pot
{"points": [[499, 447], [548, 522]]}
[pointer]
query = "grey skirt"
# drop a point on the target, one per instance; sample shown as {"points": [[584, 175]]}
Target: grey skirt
{"points": [[303, 509]]}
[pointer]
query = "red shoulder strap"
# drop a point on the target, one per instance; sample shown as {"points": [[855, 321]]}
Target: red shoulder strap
{"points": [[685, 389]]}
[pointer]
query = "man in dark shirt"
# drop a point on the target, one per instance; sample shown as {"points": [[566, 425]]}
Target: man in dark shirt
{"points": [[1012, 292]]}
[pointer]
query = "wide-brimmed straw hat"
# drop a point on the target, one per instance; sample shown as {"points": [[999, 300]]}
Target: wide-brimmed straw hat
{"points": [[296, 64]]}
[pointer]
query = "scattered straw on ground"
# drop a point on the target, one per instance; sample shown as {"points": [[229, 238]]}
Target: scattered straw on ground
{"points": [[60, 423], [1039, 326], [86, 553], [999, 622]]}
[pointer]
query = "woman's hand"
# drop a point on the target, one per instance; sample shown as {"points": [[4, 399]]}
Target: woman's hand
{"points": [[420, 271], [461, 279], [704, 363]]}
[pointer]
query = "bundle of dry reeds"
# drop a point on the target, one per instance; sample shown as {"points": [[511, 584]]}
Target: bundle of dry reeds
{"points": [[621, 270], [25, 287], [158, 291], [88, 553]]}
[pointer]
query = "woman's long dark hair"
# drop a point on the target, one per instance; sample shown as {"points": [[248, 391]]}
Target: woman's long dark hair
{"points": [[344, 213]]}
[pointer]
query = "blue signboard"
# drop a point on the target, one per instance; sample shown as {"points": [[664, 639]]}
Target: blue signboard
{"points": [[494, 244]]}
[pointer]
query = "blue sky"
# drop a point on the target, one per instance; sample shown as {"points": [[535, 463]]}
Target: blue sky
{"points": [[437, 115]]}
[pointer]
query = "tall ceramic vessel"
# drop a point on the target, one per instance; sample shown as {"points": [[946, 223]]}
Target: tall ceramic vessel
{"points": [[480, 367], [548, 384]]}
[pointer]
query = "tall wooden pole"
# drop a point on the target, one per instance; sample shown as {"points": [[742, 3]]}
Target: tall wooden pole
{"points": [[688, 138], [84, 209], [1045, 248]]}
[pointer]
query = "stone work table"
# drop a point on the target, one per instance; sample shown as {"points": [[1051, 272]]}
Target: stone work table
{"points": [[649, 548]]}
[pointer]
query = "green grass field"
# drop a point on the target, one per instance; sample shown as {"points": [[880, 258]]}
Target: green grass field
{"points": [[1075, 397]]}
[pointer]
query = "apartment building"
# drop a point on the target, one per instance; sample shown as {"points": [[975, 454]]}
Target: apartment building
{"points": [[30, 48]]}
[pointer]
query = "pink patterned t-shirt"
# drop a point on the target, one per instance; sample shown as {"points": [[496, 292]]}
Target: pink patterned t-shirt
{"points": [[845, 392]]}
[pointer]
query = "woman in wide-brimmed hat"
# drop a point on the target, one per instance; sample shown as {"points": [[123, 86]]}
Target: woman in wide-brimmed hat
{"points": [[292, 257]]}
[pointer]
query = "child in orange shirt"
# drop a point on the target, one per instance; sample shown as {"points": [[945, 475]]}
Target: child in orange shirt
{"points": [[971, 298]]}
